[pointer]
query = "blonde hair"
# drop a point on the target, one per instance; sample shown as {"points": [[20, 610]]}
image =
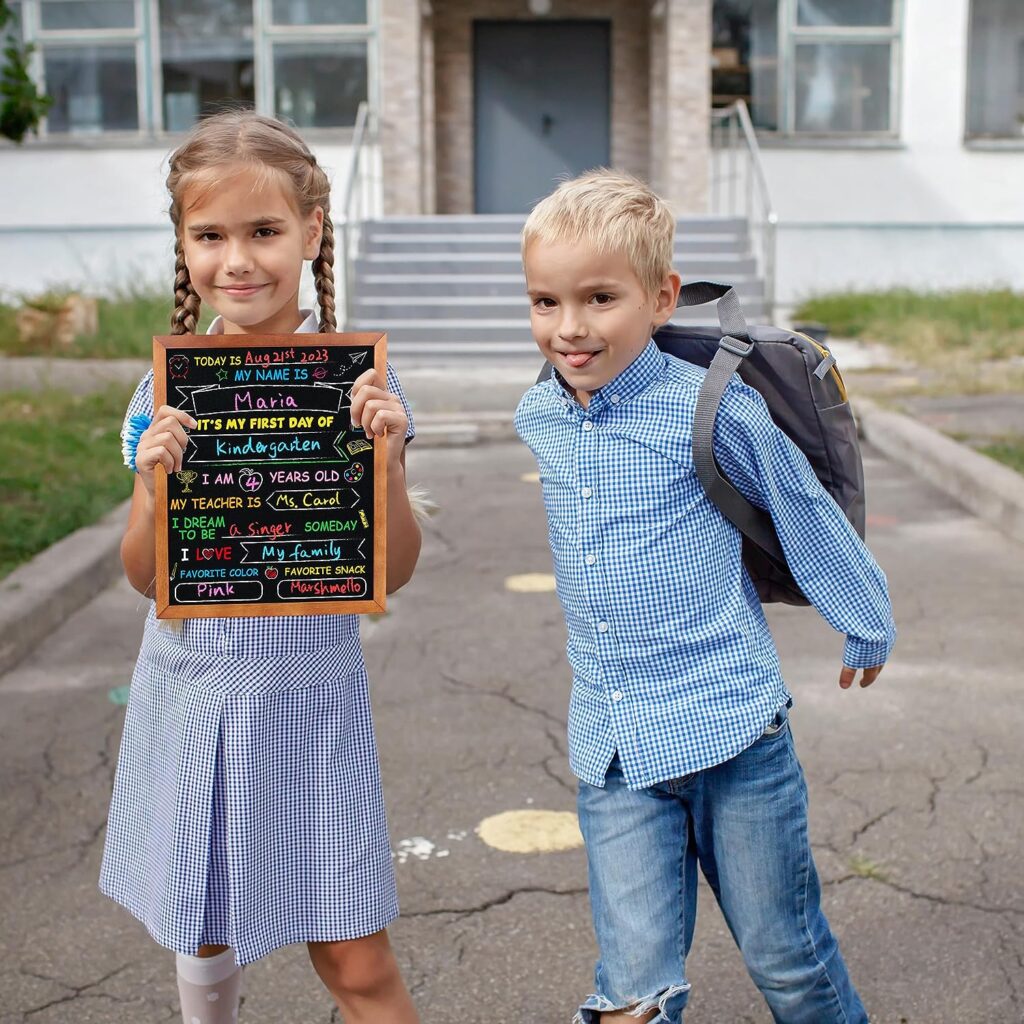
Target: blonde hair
{"points": [[614, 212], [245, 137]]}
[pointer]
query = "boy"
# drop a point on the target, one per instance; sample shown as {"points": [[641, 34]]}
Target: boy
{"points": [[678, 728]]}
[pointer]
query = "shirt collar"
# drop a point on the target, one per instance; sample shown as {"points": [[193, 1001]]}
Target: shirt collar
{"points": [[632, 381], [309, 325]]}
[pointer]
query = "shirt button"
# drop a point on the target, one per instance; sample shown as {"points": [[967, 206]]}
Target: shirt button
{"points": [[588, 424], [617, 695], [603, 627], [614, 399], [586, 492], [590, 559]]}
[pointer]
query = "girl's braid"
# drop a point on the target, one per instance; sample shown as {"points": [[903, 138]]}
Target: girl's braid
{"points": [[323, 277], [185, 317]]}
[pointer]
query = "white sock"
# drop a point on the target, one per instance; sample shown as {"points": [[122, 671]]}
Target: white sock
{"points": [[209, 988]]}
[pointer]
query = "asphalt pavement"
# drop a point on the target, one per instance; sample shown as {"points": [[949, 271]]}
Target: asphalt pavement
{"points": [[917, 804]]}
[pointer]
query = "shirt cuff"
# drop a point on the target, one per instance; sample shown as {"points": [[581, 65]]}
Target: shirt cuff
{"points": [[868, 653]]}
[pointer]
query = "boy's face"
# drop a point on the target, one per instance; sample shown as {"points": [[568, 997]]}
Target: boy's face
{"points": [[590, 315]]}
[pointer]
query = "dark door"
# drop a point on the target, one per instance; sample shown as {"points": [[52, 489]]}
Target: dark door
{"points": [[541, 110]]}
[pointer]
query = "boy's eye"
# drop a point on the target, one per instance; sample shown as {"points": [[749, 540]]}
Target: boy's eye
{"points": [[602, 298], [265, 232], [544, 303]]}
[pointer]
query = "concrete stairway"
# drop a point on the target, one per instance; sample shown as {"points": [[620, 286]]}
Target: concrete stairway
{"points": [[450, 284]]}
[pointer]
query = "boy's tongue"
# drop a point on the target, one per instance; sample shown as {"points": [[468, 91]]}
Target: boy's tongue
{"points": [[578, 359]]}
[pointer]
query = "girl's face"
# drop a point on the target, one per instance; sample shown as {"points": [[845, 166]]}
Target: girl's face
{"points": [[244, 242]]}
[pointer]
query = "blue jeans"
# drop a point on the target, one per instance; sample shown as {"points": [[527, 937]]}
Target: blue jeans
{"points": [[745, 823]]}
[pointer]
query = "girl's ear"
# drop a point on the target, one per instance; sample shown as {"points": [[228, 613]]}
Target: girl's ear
{"points": [[668, 296], [314, 233]]}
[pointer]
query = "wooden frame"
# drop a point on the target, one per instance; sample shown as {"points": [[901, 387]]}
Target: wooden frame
{"points": [[227, 345]]}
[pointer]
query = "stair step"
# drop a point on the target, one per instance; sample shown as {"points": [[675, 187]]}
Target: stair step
{"points": [[490, 307], [487, 285], [689, 264], [460, 331], [500, 222], [402, 243]]}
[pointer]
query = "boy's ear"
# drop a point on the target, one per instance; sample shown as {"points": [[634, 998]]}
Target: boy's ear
{"points": [[668, 296], [314, 234]]}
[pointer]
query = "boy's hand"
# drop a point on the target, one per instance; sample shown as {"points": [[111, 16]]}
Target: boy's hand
{"points": [[379, 412], [163, 443], [846, 677]]}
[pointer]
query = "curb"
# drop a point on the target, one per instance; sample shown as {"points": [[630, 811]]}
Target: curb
{"points": [[990, 490], [31, 606], [89, 560]]}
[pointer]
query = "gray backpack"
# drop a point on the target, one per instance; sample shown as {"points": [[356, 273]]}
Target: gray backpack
{"points": [[806, 397]]}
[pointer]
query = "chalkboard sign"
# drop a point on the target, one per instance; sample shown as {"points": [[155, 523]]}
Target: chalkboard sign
{"points": [[280, 505]]}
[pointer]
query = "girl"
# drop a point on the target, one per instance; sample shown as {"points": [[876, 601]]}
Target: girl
{"points": [[247, 810]]}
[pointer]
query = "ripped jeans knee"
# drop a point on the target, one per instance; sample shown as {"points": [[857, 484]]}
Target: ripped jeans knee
{"points": [[669, 1003]]}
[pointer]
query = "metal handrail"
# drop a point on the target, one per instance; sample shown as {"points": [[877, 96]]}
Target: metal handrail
{"points": [[355, 203], [737, 130]]}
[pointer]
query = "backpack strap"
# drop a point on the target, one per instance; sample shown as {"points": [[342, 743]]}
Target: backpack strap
{"points": [[734, 347]]}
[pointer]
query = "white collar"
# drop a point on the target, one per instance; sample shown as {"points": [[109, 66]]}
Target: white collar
{"points": [[310, 325]]}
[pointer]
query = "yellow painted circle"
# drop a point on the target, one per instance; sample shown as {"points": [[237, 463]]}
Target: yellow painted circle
{"points": [[531, 583], [531, 831], [530, 478]]}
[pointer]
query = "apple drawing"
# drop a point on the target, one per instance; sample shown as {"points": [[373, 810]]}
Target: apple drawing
{"points": [[249, 480], [270, 572]]}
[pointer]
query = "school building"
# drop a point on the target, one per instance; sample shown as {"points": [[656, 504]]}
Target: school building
{"points": [[881, 142]]}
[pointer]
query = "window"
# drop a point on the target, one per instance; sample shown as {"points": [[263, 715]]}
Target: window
{"points": [[207, 58], [158, 65], [319, 57], [821, 67], [89, 59], [995, 72]]}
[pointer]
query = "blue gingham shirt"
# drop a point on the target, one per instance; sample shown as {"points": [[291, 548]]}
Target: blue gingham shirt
{"points": [[674, 667]]}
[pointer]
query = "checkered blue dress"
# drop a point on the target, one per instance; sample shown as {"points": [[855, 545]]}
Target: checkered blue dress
{"points": [[247, 807]]}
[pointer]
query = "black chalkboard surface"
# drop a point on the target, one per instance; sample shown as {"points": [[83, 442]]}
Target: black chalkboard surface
{"points": [[280, 505]]}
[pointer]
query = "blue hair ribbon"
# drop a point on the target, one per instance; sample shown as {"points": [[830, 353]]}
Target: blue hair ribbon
{"points": [[131, 437]]}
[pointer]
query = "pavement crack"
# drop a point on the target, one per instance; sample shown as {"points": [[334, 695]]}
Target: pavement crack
{"points": [[871, 824], [76, 991], [944, 901], [504, 695], [983, 762], [461, 913], [554, 776]]}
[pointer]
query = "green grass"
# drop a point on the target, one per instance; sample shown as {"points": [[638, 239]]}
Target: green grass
{"points": [[862, 867], [60, 466], [1009, 451], [930, 328], [127, 322]]}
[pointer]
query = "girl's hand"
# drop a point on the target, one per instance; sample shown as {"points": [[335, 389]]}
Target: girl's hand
{"points": [[163, 443], [379, 413]]}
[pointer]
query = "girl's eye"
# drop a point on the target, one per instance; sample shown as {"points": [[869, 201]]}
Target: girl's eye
{"points": [[265, 232], [602, 298], [209, 236], [544, 303]]}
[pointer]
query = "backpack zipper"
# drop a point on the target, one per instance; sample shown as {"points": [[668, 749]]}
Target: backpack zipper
{"points": [[824, 353]]}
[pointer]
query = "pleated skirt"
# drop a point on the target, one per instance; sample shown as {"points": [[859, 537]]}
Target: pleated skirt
{"points": [[247, 808]]}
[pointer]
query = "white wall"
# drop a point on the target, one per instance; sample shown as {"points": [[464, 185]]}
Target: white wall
{"points": [[95, 217], [932, 211]]}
